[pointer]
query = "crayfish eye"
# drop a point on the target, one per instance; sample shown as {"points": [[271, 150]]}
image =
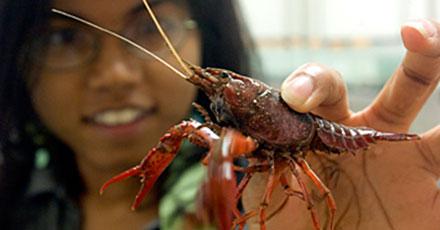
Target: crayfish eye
{"points": [[224, 74]]}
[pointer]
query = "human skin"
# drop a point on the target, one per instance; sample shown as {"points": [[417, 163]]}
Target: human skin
{"points": [[389, 186], [113, 153], [113, 80]]}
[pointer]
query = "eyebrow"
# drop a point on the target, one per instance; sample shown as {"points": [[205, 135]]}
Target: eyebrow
{"points": [[135, 10], [139, 8]]}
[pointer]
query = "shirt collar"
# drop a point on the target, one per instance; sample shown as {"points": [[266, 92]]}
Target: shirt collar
{"points": [[42, 181]]}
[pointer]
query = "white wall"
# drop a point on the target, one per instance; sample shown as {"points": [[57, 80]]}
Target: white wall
{"points": [[334, 18]]}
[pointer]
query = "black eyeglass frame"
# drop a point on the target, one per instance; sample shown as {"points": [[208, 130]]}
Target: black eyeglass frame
{"points": [[38, 48]]}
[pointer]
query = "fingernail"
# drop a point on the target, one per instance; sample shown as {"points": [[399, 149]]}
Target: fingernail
{"points": [[425, 27], [297, 90]]}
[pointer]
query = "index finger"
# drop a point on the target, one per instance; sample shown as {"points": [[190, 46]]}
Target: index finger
{"points": [[413, 82]]}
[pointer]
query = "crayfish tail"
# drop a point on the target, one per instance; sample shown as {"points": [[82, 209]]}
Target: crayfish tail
{"points": [[340, 138], [382, 136], [122, 176]]}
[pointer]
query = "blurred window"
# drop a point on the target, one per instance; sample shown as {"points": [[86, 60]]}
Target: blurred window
{"points": [[360, 38]]}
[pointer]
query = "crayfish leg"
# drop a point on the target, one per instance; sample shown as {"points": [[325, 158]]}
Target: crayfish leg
{"points": [[274, 176], [306, 195], [331, 203], [288, 190]]}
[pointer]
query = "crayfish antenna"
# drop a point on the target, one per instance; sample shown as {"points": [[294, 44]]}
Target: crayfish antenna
{"points": [[167, 40], [120, 37], [191, 66]]}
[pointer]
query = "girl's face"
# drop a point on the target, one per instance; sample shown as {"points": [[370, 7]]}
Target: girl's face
{"points": [[98, 95]]}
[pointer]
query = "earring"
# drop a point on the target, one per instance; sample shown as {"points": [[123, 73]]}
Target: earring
{"points": [[42, 156]]}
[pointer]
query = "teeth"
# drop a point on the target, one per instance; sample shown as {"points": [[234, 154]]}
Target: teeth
{"points": [[117, 117]]}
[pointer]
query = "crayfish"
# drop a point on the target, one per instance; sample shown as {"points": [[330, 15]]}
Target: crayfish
{"points": [[251, 121]]}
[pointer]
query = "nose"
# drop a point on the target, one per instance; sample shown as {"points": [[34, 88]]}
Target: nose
{"points": [[113, 71]]}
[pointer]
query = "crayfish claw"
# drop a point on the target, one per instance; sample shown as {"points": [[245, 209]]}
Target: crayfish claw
{"points": [[146, 186], [122, 176]]}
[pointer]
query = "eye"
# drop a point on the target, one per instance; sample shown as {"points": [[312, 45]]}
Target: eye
{"points": [[143, 31], [69, 40], [67, 46], [62, 37], [224, 75]]}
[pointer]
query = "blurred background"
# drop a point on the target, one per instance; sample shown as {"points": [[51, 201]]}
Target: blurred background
{"points": [[359, 38]]}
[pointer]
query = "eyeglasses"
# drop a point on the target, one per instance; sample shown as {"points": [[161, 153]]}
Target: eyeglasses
{"points": [[73, 45]]}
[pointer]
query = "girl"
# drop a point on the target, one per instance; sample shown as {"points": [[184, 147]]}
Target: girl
{"points": [[78, 107]]}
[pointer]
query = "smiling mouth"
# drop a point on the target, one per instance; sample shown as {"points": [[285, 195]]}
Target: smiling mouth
{"points": [[121, 116]]}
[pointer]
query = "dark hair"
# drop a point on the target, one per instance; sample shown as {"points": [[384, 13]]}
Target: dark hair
{"points": [[224, 44]]}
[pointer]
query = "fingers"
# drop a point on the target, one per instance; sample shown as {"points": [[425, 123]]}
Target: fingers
{"points": [[410, 86], [318, 89], [432, 138]]}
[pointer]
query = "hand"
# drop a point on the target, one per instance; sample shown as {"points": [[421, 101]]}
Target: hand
{"points": [[389, 186]]}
